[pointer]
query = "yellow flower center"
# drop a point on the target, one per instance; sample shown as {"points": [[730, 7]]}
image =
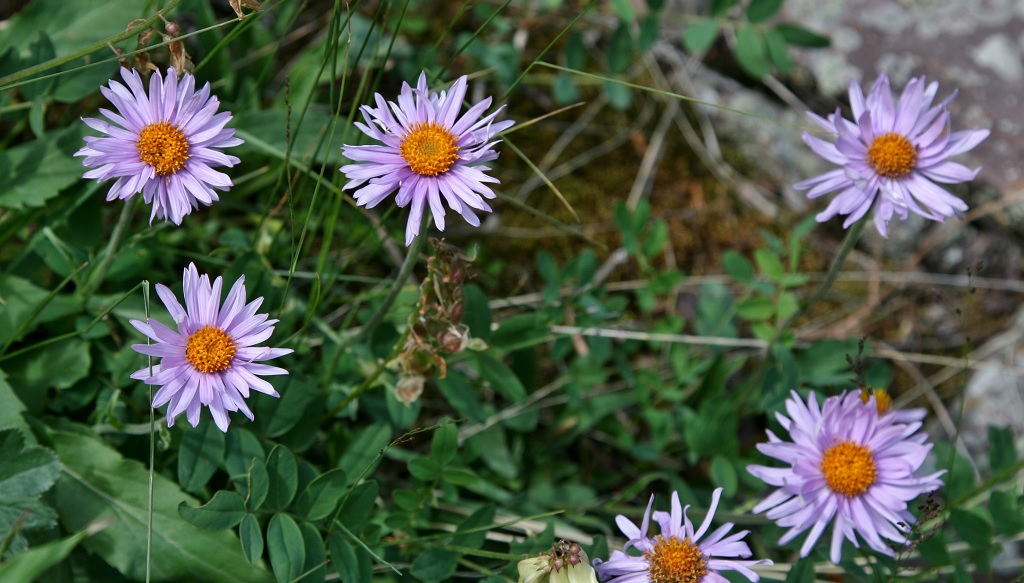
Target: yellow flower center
{"points": [[210, 349], [675, 561], [163, 146], [849, 468], [429, 149], [882, 399], [892, 155]]}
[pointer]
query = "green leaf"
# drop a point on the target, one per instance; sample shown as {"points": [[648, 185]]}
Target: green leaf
{"points": [[284, 477], [480, 518], [802, 572], [286, 547], [1007, 512], [756, 309], [35, 172], [460, 477], [26, 472], [619, 96], [751, 52], [762, 10], [787, 305], [252, 538], [699, 36], [799, 36], [972, 526], [424, 469], [624, 9], [723, 473], [501, 377], [57, 366], [576, 51], [769, 264], [258, 485], [1002, 456], [362, 451], [359, 505], [242, 446], [98, 483], [11, 409], [778, 53], [477, 314], [564, 89], [434, 565], [316, 555], [620, 49], [720, 7], [343, 556], [445, 443], [26, 567], [40, 51], [650, 30], [322, 495], [460, 395], [201, 453], [224, 511], [269, 125]]}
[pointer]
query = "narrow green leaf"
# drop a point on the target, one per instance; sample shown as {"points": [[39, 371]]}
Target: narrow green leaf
{"points": [[224, 511], [316, 555], [778, 52], [258, 484], [624, 9], [343, 556], [26, 567], [322, 495], [762, 10], [445, 443], [1003, 455], [286, 547], [576, 52], [756, 309], [501, 377], [460, 477], [799, 36], [650, 30], [252, 538], [284, 477], [359, 505], [201, 453], [723, 473], [699, 36], [751, 52], [620, 49]]}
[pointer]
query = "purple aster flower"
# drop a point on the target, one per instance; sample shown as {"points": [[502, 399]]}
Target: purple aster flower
{"points": [[894, 152], [678, 554], [428, 152], [848, 463], [164, 144], [212, 359]]}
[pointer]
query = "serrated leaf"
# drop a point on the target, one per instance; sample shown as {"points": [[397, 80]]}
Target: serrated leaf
{"points": [[26, 471], [35, 172], [762, 10], [799, 36], [286, 548], [224, 511], [284, 477], [699, 36], [98, 483], [751, 52], [322, 495], [252, 538], [200, 454], [778, 53]]}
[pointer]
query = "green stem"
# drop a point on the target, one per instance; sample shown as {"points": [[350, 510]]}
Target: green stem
{"points": [[852, 236], [6, 82], [396, 287], [97, 276], [152, 446]]}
